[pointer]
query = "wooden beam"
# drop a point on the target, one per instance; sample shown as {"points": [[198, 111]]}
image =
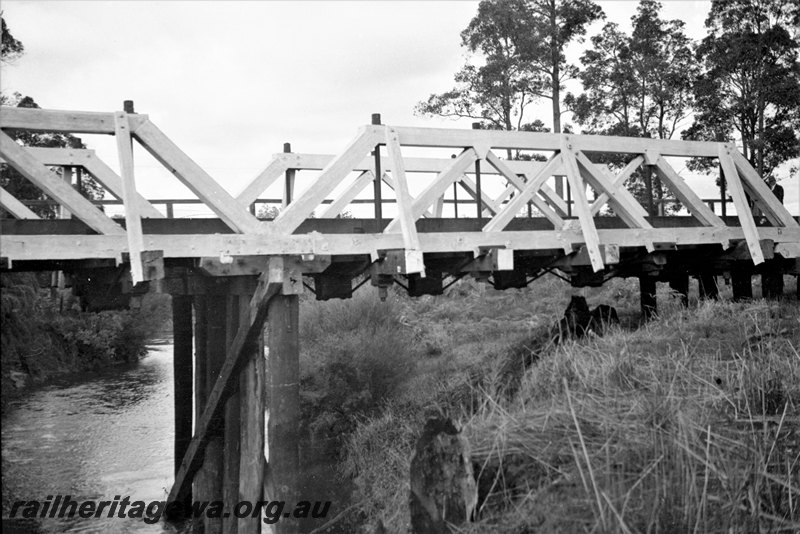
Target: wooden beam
{"points": [[63, 247], [252, 405], [231, 435], [49, 120], [288, 221], [276, 168], [13, 206], [283, 431], [620, 198], [440, 137], [439, 185], [581, 205], [182, 373], [619, 181], [404, 205], [54, 187], [501, 220], [340, 203], [773, 209], [270, 284], [133, 223], [743, 211], [234, 214], [316, 162], [693, 203]]}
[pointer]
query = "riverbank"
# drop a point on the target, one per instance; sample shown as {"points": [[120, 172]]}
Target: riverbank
{"points": [[42, 338], [688, 421]]}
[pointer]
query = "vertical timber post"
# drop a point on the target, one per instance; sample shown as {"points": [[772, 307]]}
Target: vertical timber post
{"points": [[201, 387], [182, 374], [647, 295], [284, 402], [478, 194], [288, 187], [209, 477], [231, 448], [722, 198], [377, 184], [252, 404], [648, 182], [741, 283]]}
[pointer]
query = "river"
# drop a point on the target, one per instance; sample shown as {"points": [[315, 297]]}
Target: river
{"points": [[93, 437]]}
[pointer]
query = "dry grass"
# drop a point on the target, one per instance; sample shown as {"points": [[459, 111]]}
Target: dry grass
{"points": [[687, 424]]}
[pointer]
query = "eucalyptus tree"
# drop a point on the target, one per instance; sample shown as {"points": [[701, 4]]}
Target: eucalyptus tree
{"points": [[638, 85], [749, 90]]}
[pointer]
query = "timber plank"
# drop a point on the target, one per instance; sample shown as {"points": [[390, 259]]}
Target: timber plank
{"points": [[13, 206], [582, 205], [133, 223], [50, 120], [743, 210]]}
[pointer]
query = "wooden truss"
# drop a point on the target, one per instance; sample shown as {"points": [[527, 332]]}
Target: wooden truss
{"points": [[354, 169]]}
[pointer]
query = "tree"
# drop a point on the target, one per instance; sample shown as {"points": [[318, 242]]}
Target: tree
{"points": [[10, 179], [749, 90], [497, 92], [553, 25], [10, 48], [637, 85], [522, 45]]}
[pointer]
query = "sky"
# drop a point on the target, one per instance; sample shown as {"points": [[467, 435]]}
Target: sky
{"points": [[230, 82]]}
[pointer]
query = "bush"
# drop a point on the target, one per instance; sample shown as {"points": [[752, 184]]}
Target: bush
{"points": [[40, 340]]}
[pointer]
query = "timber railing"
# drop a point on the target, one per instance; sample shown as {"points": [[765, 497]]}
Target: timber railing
{"points": [[340, 179]]}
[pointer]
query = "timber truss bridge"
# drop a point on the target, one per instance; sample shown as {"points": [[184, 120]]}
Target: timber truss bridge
{"points": [[238, 273]]}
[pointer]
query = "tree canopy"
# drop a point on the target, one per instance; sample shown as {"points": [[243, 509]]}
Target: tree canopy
{"points": [[750, 86]]}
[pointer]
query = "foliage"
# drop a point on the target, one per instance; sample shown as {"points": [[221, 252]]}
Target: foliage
{"points": [[750, 86], [497, 92], [42, 337], [637, 85], [10, 48], [521, 47], [353, 356]]}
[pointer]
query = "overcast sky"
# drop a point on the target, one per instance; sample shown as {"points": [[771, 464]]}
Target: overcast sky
{"points": [[230, 82]]}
